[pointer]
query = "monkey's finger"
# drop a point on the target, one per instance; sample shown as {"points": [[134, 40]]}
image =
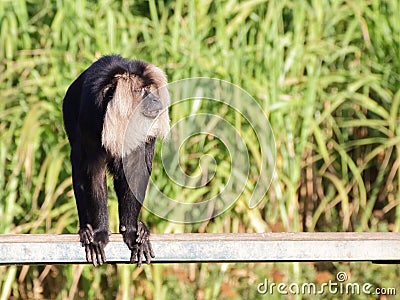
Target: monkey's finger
{"points": [[140, 256], [88, 233], [93, 256], [88, 253], [134, 253], [85, 237], [100, 256], [144, 238], [139, 239], [151, 249], [140, 235], [94, 260], [147, 254], [103, 255], [96, 254]]}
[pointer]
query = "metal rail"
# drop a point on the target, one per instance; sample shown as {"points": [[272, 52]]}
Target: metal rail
{"points": [[40, 249]]}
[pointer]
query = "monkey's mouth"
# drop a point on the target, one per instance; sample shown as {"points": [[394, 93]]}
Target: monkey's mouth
{"points": [[151, 114]]}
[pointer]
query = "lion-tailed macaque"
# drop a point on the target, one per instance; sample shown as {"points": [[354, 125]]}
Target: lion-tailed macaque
{"points": [[112, 95]]}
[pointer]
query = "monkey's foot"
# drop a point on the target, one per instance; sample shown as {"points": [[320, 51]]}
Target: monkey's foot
{"points": [[94, 243], [139, 244]]}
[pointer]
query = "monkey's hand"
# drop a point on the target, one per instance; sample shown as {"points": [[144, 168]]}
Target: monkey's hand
{"points": [[139, 244], [94, 243]]}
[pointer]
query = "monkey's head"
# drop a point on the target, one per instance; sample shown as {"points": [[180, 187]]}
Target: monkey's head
{"points": [[138, 108]]}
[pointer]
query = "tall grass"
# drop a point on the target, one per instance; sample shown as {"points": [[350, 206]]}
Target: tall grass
{"points": [[327, 73]]}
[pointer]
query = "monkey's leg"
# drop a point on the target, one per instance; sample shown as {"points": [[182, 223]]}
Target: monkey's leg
{"points": [[91, 195], [85, 234], [130, 200], [135, 233]]}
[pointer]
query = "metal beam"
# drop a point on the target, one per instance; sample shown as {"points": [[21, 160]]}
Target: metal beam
{"points": [[40, 249]]}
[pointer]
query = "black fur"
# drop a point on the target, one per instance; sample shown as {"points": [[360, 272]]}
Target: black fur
{"points": [[84, 108]]}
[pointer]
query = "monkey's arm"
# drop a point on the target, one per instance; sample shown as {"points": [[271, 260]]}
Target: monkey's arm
{"points": [[88, 173], [89, 179], [131, 190]]}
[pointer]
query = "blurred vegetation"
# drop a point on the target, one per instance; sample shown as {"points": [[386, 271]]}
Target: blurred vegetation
{"points": [[327, 73]]}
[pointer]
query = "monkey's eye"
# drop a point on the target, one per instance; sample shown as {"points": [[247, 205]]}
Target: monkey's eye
{"points": [[144, 92], [141, 91]]}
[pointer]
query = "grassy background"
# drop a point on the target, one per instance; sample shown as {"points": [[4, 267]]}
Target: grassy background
{"points": [[327, 73]]}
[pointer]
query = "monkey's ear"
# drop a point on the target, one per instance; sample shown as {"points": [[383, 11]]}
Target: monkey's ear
{"points": [[107, 89]]}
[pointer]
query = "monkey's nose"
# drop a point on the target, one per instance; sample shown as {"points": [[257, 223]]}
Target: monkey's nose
{"points": [[151, 106]]}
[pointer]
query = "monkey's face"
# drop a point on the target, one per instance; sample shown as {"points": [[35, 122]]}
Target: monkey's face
{"points": [[138, 110], [150, 105]]}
